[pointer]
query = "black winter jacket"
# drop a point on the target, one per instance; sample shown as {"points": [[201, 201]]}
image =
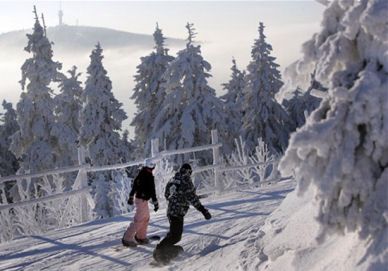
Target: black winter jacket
{"points": [[179, 193], [144, 186]]}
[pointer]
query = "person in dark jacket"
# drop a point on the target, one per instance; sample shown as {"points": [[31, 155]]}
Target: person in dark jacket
{"points": [[180, 193], [143, 189]]}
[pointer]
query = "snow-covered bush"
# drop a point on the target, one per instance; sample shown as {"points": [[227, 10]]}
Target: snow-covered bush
{"points": [[119, 188], [163, 172], [261, 155], [38, 217], [342, 149], [243, 157], [204, 181], [240, 157]]}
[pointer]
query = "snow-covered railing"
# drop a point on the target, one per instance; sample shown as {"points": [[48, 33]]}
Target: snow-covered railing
{"points": [[37, 175], [88, 168], [35, 202], [155, 154], [114, 166], [80, 189], [44, 199]]}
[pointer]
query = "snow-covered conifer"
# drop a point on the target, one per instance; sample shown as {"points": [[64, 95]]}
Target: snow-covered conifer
{"points": [[128, 145], [302, 103], [300, 106], [191, 109], [101, 120], [34, 143], [233, 104], [264, 117], [149, 92], [8, 162], [342, 149], [68, 106]]}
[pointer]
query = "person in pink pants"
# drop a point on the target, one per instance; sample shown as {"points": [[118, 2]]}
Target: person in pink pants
{"points": [[143, 189]]}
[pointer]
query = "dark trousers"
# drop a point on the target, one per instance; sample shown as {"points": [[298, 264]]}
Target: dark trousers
{"points": [[175, 233]]}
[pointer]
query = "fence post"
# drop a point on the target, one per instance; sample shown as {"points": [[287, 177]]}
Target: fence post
{"points": [[82, 179], [216, 161], [154, 147]]}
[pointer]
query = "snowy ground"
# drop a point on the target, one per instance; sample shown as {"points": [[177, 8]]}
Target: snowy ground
{"points": [[289, 239], [209, 245]]}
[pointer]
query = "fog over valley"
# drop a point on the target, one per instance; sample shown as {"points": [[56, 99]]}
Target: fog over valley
{"points": [[229, 33]]}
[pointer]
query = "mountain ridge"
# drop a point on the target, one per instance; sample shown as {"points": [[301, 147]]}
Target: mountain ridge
{"points": [[85, 37]]}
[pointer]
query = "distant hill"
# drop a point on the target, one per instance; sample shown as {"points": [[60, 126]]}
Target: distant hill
{"points": [[82, 38]]}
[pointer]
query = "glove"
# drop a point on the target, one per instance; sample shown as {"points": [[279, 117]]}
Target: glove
{"points": [[156, 206], [130, 201], [205, 213]]}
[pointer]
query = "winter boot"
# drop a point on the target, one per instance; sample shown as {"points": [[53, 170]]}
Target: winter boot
{"points": [[128, 243], [142, 241]]}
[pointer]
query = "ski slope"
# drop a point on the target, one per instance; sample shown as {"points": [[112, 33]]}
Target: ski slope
{"points": [[209, 245]]}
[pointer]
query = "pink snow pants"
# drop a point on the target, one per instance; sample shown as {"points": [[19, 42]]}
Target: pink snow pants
{"points": [[140, 221]]}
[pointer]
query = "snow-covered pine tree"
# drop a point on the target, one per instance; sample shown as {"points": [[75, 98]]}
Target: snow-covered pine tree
{"points": [[264, 117], [68, 106], [342, 150], [129, 146], [149, 93], [191, 109], [9, 125], [302, 103], [299, 105], [101, 120], [233, 105], [34, 144]]}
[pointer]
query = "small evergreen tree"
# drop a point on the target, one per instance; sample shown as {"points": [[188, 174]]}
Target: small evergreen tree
{"points": [[128, 146], [233, 105], [149, 92], [264, 117], [34, 144], [302, 103], [300, 106], [101, 120], [68, 106], [8, 162], [191, 109]]}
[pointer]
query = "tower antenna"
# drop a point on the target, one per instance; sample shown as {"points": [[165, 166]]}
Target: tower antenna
{"points": [[60, 13]]}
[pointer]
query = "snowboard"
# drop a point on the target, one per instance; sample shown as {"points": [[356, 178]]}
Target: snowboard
{"points": [[163, 256]]}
